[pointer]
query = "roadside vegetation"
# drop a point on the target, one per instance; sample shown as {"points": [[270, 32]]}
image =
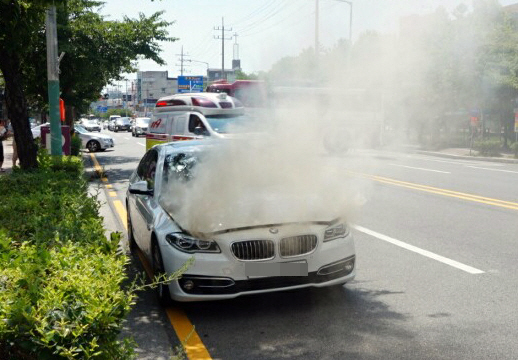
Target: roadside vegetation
{"points": [[61, 279]]}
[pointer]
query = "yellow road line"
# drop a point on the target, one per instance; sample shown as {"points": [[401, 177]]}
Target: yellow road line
{"points": [[108, 186], [122, 212], [192, 343], [183, 327], [98, 167], [460, 195]]}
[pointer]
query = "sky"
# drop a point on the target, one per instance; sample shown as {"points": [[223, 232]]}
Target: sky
{"points": [[267, 30]]}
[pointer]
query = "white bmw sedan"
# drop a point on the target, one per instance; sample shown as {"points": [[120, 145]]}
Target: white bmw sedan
{"points": [[230, 258]]}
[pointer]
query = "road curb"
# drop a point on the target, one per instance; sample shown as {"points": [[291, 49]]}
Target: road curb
{"points": [[462, 157]]}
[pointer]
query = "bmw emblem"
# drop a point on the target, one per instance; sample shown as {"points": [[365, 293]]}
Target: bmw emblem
{"points": [[274, 230]]}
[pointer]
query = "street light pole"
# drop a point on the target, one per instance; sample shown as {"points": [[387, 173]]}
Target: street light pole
{"points": [[350, 19]]}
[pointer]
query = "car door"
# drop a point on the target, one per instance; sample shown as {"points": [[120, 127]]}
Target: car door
{"points": [[145, 205]]}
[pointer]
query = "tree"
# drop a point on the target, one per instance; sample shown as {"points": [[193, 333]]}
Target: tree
{"points": [[97, 51], [19, 23]]}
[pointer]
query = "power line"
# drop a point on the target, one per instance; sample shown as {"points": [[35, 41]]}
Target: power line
{"points": [[260, 9], [286, 25], [268, 16]]}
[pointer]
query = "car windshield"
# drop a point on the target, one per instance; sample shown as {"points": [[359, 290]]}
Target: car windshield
{"points": [[90, 122], [80, 129], [228, 124], [123, 121]]}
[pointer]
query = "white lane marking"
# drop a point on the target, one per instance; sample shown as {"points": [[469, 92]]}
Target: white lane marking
{"points": [[456, 162], [502, 170], [418, 168], [141, 144], [419, 251]]}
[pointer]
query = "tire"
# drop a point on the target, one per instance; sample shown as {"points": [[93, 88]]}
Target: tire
{"points": [[93, 146], [133, 134], [162, 290], [131, 237]]}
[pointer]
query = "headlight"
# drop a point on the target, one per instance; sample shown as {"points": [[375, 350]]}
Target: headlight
{"points": [[190, 244], [336, 231]]}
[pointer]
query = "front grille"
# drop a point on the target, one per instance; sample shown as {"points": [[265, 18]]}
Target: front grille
{"points": [[297, 245], [253, 250]]}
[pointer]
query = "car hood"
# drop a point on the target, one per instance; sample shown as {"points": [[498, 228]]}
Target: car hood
{"points": [[249, 212]]}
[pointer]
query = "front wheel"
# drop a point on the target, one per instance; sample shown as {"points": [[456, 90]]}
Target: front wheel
{"points": [[162, 290], [93, 146]]}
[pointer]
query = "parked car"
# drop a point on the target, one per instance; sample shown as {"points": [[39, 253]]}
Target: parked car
{"points": [[232, 257], [122, 124], [94, 142], [90, 125], [141, 126]]}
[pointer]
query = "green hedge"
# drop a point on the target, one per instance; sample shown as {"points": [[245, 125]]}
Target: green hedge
{"points": [[488, 147], [61, 294]]}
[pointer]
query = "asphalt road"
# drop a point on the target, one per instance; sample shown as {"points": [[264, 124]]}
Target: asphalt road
{"points": [[437, 275]]}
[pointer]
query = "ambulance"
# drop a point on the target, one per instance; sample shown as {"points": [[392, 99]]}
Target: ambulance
{"points": [[191, 116]]}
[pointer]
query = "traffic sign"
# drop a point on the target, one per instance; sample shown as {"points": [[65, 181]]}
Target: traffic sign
{"points": [[188, 84]]}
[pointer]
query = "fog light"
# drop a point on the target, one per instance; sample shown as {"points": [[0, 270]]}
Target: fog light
{"points": [[349, 266], [188, 285]]}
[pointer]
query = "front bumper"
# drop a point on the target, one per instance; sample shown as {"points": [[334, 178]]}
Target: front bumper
{"points": [[217, 277], [106, 144]]}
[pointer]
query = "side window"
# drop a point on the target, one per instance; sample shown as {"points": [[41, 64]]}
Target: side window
{"points": [[147, 168], [196, 126]]}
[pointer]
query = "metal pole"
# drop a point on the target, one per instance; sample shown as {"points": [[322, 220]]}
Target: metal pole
{"points": [[223, 49], [316, 27], [351, 24], [53, 82]]}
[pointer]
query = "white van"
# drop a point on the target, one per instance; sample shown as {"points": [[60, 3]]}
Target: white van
{"points": [[194, 116]]}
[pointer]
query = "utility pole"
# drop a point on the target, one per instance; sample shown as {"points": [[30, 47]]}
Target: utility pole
{"points": [[222, 38], [182, 59], [317, 44], [53, 81]]}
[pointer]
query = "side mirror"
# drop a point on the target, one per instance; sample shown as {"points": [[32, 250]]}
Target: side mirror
{"points": [[140, 188]]}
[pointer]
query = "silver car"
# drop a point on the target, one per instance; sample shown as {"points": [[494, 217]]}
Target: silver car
{"points": [[94, 142], [231, 257]]}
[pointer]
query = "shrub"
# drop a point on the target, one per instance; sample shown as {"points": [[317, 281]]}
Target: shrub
{"points": [[490, 147], [514, 148], [61, 279], [75, 145]]}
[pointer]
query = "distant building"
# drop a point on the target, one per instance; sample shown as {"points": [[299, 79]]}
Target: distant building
{"points": [[152, 85], [216, 74]]}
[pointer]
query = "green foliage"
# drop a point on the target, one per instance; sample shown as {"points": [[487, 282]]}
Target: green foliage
{"points": [[61, 279], [489, 147], [75, 145], [96, 50], [514, 148]]}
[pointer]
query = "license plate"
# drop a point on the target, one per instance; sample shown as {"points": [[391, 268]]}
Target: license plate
{"points": [[299, 268]]}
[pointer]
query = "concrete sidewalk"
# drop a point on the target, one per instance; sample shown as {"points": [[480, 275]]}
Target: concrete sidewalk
{"points": [[464, 154]]}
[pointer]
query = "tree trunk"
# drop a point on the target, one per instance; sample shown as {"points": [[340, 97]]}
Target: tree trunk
{"points": [[17, 110]]}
